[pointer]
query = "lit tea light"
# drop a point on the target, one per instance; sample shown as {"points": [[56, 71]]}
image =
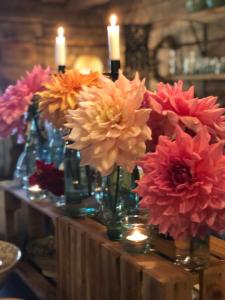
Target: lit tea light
{"points": [[34, 192], [35, 188], [137, 236]]}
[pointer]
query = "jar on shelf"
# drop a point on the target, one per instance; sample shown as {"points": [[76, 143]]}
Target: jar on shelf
{"points": [[196, 5], [215, 3], [193, 254]]}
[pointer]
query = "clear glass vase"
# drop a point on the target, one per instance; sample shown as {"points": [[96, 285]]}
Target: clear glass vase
{"points": [[56, 146], [193, 254], [215, 3], [78, 186], [116, 199], [195, 5], [34, 149]]}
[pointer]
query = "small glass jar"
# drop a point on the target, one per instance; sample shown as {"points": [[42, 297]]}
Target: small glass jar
{"points": [[35, 193], [136, 233], [193, 254], [57, 201]]}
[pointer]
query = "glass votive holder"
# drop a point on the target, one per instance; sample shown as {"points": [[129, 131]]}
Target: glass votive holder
{"points": [[136, 234], [35, 193]]}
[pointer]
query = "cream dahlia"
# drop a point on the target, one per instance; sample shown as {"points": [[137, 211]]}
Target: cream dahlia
{"points": [[184, 185], [108, 127]]}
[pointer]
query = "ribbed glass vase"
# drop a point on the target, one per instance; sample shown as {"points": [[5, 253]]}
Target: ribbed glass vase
{"points": [[116, 199]]}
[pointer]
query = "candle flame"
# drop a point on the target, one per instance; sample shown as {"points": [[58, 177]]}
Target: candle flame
{"points": [[60, 31], [113, 20], [35, 188], [137, 236]]}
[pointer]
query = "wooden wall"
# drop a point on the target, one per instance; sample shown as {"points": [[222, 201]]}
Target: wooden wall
{"points": [[156, 12], [28, 30]]}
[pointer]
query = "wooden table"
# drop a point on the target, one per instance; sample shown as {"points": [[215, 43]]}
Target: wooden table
{"points": [[90, 267]]}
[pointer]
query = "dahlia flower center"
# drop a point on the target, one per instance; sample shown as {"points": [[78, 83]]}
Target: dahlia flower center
{"points": [[109, 115], [179, 173]]}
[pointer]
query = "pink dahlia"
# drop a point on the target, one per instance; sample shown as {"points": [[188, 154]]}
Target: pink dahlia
{"points": [[184, 185], [108, 127], [172, 106], [17, 98]]}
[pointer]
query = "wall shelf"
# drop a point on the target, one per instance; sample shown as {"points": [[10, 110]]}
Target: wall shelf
{"points": [[196, 77], [209, 15]]}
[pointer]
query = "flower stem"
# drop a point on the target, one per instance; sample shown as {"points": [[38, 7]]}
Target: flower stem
{"points": [[117, 189]]}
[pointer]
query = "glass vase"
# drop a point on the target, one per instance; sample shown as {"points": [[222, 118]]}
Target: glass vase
{"points": [[195, 5], [116, 199], [215, 3], [78, 186], [35, 148], [56, 146], [193, 254]]}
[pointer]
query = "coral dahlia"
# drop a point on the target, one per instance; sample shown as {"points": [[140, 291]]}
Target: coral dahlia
{"points": [[184, 185], [172, 106]]}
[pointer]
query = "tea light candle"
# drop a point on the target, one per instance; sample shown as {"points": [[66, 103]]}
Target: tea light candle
{"points": [[34, 192], [137, 236], [35, 188]]}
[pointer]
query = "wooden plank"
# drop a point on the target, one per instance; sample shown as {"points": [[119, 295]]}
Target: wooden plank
{"points": [[63, 258], [110, 270], [78, 265], [36, 226], [131, 280], [40, 286], [44, 206], [212, 282], [11, 205], [161, 288], [217, 247], [160, 276]]}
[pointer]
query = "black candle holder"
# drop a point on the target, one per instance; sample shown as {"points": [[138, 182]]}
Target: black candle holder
{"points": [[61, 69], [115, 66]]}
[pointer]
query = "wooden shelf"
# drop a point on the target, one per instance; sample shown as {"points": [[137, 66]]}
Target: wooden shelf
{"points": [[45, 207], [209, 15], [40, 286], [90, 266], [206, 16], [196, 77]]}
